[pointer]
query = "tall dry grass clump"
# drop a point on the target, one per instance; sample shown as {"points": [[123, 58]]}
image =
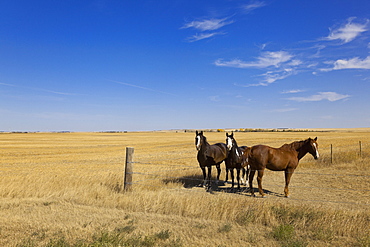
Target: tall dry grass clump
{"points": [[65, 189]]}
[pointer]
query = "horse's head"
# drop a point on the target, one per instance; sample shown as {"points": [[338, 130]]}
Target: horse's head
{"points": [[199, 139], [313, 147], [230, 141]]}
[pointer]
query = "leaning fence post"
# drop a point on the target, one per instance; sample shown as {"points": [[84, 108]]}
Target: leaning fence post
{"points": [[127, 176]]}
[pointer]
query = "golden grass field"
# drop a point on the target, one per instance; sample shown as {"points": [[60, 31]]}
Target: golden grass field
{"points": [[65, 189]]}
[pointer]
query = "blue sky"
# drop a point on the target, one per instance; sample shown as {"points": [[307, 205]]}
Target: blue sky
{"points": [[149, 65]]}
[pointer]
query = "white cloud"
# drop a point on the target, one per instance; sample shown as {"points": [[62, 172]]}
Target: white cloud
{"points": [[293, 91], [353, 63], [253, 5], [280, 64], [201, 36], [267, 59], [272, 76], [347, 32], [295, 62], [330, 96], [208, 24], [205, 26]]}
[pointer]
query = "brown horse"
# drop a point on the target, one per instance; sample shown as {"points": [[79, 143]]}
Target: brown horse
{"points": [[209, 155], [237, 159], [285, 158]]}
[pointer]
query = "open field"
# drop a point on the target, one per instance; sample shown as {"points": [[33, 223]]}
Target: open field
{"points": [[65, 189]]}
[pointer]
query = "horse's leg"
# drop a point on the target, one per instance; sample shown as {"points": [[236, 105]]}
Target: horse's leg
{"points": [[209, 176], [259, 180], [232, 177], [238, 177], [204, 176], [251, 175], [288, 175], [227, 175], [218, 166], [242, 177], [247, 174]]}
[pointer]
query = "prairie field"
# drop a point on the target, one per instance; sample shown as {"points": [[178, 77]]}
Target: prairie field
{"points": [[66, 189]]}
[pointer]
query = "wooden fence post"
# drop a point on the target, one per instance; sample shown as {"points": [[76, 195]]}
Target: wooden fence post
{"points": [[127, 176], [331, 153], [360, 149]]}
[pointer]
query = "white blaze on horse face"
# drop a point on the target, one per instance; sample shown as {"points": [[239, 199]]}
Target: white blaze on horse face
{"points": [[229, 143], [317, 151], [198, 143]]}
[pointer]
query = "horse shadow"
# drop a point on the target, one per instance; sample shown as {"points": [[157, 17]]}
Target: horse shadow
{"points": [[194, 181], [187, 181], [245, 191]]}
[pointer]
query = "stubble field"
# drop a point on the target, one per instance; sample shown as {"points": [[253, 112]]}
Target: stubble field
{"points": [[65, 189]]}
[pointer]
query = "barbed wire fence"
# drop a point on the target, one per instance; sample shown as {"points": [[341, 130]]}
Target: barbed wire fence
{"points": [[167, 171]]}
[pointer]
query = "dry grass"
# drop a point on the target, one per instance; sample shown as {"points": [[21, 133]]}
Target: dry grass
{"points": [[64, 189]]}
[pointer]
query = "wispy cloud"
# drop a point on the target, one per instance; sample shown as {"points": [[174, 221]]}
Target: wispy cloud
{"points": [[140, 87], [284, 110], [266, 59], [272, 76], [353, 63], [330, 96], [280, 64], [201, 36], [252, 5], [292, 91], [208, 24], [40, 89], [6, 84], [347, 32]]}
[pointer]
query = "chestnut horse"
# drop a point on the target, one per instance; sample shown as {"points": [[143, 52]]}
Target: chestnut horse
{"points": [[209, 155], [285, 158], [237, 159]]}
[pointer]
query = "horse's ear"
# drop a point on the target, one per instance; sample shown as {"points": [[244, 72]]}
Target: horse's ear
{"points": [[201, 133], [315, 138], [196, 132]]}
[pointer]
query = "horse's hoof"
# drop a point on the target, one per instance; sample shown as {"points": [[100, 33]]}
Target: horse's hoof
{"points": [[264, 196], [287, 196], [210, 190]]}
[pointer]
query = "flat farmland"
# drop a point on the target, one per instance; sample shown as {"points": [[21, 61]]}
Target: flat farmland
{"points": [[66, 189]]}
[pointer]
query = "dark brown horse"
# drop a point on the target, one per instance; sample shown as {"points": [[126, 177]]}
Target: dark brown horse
{"points": [[285, 158], [237, 159], [208, 156]]}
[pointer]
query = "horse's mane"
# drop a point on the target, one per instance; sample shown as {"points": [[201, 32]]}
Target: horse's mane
{"points": [[236, 144], [205, 140], [295, 145]]}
